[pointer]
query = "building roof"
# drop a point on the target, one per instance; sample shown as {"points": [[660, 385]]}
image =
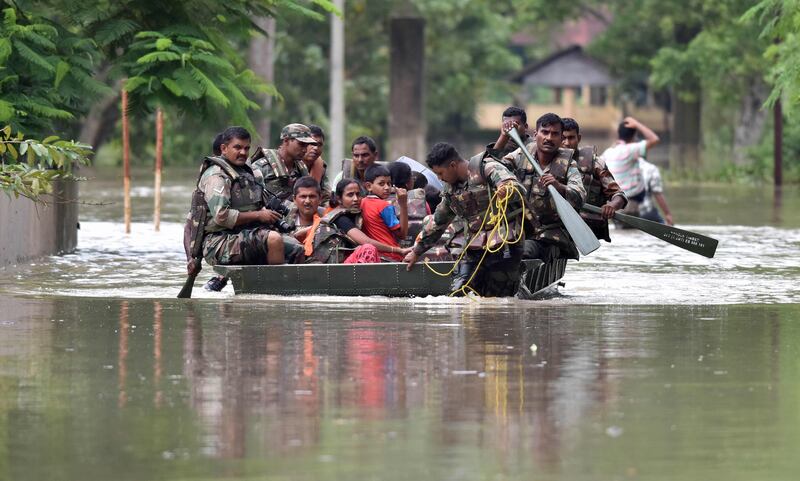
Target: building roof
{"points": [[570, 67]]}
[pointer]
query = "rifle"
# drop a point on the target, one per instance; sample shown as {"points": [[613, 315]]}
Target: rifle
{"points": [[581, 234], [196, 223]]}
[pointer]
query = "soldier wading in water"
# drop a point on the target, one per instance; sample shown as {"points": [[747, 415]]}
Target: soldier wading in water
{"points": [[491, 265]]}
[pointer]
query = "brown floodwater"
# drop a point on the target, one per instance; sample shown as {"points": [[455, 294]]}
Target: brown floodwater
{"points": [[651, 363]]}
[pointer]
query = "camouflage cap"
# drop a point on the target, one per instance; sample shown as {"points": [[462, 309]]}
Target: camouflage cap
{"points": [[299, 132]]}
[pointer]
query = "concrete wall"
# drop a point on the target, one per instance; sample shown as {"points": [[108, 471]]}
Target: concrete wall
{"points": [[29, 229]]}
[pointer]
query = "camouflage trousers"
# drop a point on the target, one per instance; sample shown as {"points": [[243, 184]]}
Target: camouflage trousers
{"points": [[247, 247], [498, 275]]}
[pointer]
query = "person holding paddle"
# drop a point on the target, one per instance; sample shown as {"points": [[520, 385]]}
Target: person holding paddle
{"points": [[545, 236], [602, 189]]}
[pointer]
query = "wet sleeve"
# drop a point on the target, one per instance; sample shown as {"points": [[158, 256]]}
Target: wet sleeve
{"points": [[432, 232], [217, 191], [389, 217]]}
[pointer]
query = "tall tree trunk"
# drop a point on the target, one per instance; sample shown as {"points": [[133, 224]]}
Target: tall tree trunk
{"points": [[751, 122], [261, 57], [684, 152]]}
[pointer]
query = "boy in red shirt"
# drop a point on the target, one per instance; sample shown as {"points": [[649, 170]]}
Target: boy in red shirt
{"points": [[381, 221]]}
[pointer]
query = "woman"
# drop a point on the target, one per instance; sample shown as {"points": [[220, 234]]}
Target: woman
{"points": [[340, 227]]}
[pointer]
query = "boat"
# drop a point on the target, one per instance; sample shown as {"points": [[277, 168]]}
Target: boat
{"points": [[389, 279]]}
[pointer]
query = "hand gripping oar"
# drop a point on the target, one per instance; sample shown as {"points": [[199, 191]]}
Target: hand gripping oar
{"points": [[581, 234], [691, 241]]}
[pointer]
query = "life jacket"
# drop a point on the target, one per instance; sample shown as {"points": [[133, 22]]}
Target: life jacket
{"points": [[278, 179], [539, 199], [244, 197], [594, 192], [332, 246]]}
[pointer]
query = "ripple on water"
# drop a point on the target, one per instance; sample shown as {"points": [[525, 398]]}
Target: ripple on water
{"points": [[634, 269]]}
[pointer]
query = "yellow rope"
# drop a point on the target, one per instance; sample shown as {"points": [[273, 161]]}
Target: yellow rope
{"points": [[497, 217]]}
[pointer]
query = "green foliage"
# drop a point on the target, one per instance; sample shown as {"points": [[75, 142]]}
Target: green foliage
{"points": [[779, 21], [46, 73], [28, 167]]}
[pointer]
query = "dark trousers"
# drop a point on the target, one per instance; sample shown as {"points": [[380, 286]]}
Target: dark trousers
{"points": [[497, 276]]}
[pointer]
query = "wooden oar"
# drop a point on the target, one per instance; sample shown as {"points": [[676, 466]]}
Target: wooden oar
{"points": [[691, 241], [581, 234]]}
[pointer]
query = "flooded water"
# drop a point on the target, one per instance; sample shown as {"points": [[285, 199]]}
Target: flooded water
{"points": [[651, 363]]}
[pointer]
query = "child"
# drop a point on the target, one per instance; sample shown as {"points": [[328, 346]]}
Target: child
{"points": [[381, 221], [416, 205]]}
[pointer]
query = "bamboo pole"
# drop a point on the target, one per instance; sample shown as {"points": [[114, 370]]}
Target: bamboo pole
{"points": [[337, 109], [778, 144], [159, 152], [126, 164]]}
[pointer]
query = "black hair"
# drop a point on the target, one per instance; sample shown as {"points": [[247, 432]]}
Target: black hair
{"points": [[570, 124], [516, 112], [432, 196], [375, 171], [306, 182], [216, 145], [420, 181], [373, 147], [338, 192], [626, 133], [234, 133], [441, 154], [401, 174], [317, 130], [549, 119]]}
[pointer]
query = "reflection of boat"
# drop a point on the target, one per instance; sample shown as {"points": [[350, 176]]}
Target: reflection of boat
{"points": [[385, 279]]}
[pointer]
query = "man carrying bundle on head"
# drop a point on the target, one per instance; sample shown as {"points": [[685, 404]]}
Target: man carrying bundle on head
{"points": [[478, 192]]}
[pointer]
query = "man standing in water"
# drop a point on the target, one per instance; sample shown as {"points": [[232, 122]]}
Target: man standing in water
{"points": [[601, 188], [469, 187], [622, 158]]}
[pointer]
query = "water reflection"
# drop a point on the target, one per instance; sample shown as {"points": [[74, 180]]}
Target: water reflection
{"points": [[241, 390]]}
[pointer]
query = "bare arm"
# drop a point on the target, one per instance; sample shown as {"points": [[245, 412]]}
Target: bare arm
{"points": [[402, 204], [650, 137], [361, 238], [662, 203]]}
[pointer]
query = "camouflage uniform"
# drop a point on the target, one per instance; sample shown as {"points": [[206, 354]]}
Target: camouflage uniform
{"points": [[230, 190], [278, 179], [600, 188], [332, 246], [546, 237], [499, 273]]}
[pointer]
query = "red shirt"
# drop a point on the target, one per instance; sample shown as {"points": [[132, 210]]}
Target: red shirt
{"points": [[379, 220]]}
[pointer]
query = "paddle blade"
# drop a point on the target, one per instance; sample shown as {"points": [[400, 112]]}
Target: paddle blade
{"points": [[186, 291], [581, 234], [691, 241]]}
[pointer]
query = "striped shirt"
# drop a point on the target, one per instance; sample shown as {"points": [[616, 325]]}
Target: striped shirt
{"points": [[622, 160]]}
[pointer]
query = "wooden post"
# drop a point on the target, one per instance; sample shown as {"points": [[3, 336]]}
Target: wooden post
{"points": [[159, 152], [778, 143], [126, 164]]}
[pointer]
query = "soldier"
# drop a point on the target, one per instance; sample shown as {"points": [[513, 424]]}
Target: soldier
{"points": [[601, 188], [281, 167], [513, 117], [546, 237], [468, 191], [365, 154], [316, 166], [237, 229]]}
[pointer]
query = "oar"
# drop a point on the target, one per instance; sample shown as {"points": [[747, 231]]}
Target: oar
{"points": [[581, 234], [186, 290], [691, 241]]}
